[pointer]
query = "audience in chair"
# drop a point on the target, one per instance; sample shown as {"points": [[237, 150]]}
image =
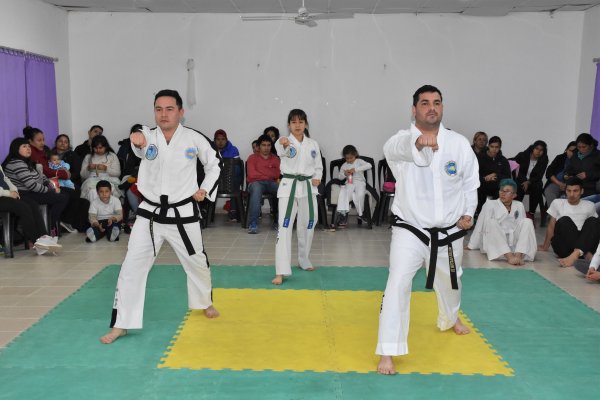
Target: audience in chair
{"points": [[585, 164], [573, 229], [480, 141], [502, 229], [85, 148], [355, 185], [227, 150], [262, 176], [555, 174], [493, 168], [101, 164], [532, 167]]}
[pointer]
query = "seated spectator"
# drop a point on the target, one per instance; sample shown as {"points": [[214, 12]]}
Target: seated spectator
{"points": [[85, 148], [493, 167], [585, 164], [56, 164], [256, 147], [102, 164], [355, 185], [555, 174], [75, 214], [31, 183], [40, 153], [130, 166], [273, 133], [480, 141], [29, 215], [262, 177], [532, 166], [227, 150], [573, 229], [502, 229], [105, 215]]}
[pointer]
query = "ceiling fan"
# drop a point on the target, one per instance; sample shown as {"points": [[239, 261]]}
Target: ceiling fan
{"points": [[302, 18]]}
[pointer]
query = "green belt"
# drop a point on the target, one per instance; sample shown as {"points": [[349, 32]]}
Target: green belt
{"points": [[311, 210]]}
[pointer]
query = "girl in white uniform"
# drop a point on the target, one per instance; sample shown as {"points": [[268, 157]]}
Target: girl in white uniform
{"points": [[302, 169], [355, 186]]}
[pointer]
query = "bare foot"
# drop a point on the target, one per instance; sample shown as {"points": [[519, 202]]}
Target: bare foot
{"points": [[460, 329], [512, 260], [278, 280], [386, 366], [211, 312], [568, 261], [519, 258], [113, 335], [310, 269]]}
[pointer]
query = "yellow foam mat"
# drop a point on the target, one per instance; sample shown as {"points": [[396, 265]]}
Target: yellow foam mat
{"points": [[316, 330]]}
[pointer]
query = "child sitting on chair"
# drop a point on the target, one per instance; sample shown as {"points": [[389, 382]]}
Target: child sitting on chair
{"points": [[355, 187], [105, 215]]}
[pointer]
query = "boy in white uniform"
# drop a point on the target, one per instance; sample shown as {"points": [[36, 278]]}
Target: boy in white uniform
{"points": [[355, 186], [502, 228], [437, 178], [105, 214], [168, 181]]}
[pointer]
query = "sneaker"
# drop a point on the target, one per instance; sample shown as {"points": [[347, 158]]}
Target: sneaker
{"points": [[114, 234], [90, 234], [233, 216], [46, 243], [68, 227], [343, 220], [252, 228]]}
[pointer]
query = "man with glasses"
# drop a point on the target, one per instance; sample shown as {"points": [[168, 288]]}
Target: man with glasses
{"points": [[502, 229]]}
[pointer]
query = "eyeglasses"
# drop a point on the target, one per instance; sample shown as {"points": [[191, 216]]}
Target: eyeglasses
{"points": [[506, 192]]}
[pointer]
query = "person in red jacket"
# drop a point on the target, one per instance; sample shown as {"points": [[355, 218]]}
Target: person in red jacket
{"points": [[262, 176]]}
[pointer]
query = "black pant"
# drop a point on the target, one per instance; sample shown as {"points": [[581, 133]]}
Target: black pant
{"points": [[568, 238], [76, 212], [29, 215], [55, 201], [535, 191], [486, 189]]}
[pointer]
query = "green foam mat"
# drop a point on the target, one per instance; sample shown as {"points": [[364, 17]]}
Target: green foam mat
{"points": [[548, 337]]}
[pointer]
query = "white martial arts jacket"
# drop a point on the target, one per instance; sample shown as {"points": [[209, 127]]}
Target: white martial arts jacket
{"points": [[300, 158], [434, 188], [359, 167], [508, 221], [171, 169]]}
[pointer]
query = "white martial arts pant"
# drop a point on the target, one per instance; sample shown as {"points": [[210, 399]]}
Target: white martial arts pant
{"points": [[496, 243], [407, 255], [352, 191], [283, 248], [131, 285]]}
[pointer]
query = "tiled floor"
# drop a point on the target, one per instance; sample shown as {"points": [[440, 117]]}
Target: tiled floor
{"points": [[31, 285]]}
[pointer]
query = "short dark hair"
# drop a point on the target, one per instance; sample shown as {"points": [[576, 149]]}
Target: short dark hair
{"points": [[574, 182], [97, 126], [61, 136], [425, 89], [103, 141], [495, 139], [29, 132], [264, 138], [588, 139], [273, 129], [102, 184], [349, 150], [170, 93]]}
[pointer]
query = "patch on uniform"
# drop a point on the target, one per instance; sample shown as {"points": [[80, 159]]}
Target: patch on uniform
{"points": [[151, 152], [292, 152], [517, 214], [313, 153], [191, 153], [451, 168]]}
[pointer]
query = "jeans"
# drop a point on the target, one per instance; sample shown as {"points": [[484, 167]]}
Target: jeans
{"points": [[255, 193]]}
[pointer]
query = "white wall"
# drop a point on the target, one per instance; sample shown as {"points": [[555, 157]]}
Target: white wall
{"points": [[38, 27], [515, 76], [590, 49]]}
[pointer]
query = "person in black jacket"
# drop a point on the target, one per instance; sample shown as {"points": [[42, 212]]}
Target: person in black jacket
{"points": [[585, 164], [85, 148], [555, 174], [493, 167], [532, 166]]}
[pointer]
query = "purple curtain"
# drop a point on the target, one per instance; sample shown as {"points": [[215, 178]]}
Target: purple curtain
{"points": [[595, 128], [42, 110], [12, 99]]}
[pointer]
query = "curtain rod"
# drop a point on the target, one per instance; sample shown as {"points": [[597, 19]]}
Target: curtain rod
{"points": [[25, 52]]}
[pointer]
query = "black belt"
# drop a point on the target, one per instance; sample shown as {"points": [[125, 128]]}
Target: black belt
{"points": [[162, 218], [435, 243]]}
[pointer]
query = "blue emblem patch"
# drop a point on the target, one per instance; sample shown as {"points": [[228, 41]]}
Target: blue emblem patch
{"points": [[313, 153], [451, 168], [151, 152], [292, 152], [191, 153]]}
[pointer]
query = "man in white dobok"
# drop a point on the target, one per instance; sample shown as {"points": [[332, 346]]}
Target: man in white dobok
{"points": [[503, 230], [437, 178]]}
